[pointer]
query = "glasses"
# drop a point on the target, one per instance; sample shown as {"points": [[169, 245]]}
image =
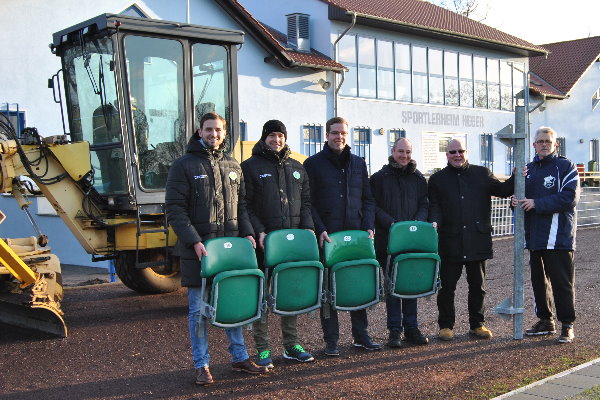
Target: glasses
{"points": [[548, 142], [461, 151]]}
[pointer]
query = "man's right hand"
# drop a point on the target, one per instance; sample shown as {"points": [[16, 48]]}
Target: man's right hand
{"points": [[261, 240], [324, 237], [200, 250]]}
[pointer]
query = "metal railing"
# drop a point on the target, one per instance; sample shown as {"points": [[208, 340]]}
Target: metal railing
{"points": [[588, 211]]}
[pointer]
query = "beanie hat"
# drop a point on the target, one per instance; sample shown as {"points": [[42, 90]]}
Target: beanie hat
{"points": [[273, 126]]}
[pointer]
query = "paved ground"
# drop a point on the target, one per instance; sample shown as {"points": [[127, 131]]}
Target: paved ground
{"points": [[125, 346]]}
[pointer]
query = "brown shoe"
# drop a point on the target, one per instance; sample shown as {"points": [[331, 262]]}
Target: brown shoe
{"points": [[203, 376], [446, 334], [481, 332], [249, 367]]}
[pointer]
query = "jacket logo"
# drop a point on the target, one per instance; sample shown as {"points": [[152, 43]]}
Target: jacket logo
{"points": [[296, 174], [549, 181], [264, 176], [233, 175], [200, 176]]}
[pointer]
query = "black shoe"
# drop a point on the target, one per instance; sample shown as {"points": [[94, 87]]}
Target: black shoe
{"points": [[332, 350], [414, 335], [367, 344], [542, 327], [394, 339], [566, 334]]}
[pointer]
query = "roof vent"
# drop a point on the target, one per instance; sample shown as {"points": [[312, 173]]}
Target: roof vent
{"points": [[297, 31]]}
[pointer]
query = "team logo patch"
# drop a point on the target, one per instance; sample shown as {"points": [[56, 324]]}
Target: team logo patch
{"points": [[296, 174], [549, 181], [233, 175]]}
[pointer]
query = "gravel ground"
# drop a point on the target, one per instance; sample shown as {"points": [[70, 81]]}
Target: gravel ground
{"points": [[125, 346]]}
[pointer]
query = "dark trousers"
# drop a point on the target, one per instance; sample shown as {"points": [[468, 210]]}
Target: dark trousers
{"points": [[331, 325], [450, 274], [553, 273], [401, 313]]}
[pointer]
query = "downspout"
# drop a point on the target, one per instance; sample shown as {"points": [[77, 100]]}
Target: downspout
{"points": [[337, 86]]}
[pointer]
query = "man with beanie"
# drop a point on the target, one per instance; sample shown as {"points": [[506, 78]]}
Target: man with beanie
{"points": [[205, 199], [341, 200], [400, 191], [277, 197]]}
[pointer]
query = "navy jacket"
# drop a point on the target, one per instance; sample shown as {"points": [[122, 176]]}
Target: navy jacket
{"points": [[553, 183], [340, 193]]}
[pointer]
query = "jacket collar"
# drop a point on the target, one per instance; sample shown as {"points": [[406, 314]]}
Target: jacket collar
{"points": [[261, 149], [464, 167], [394, 167], [195, 145], [549, 157]]}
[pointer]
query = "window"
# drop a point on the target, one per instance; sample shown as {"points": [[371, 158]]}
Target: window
{"points": [[436, 76], [367, 81], [518, 81], [486, 146], [312, 137], [451, 78], [396, 134], [419, 78], [347, 56], [506, 95], [403, 78], [361, 144], [465, 73], [479, 73], [493, 81], [561, 149], [243, 131], [385, 70], [596, 99], [510, 160]]}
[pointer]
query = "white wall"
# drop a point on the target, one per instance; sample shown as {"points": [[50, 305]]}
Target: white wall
{"points": [[573, 117]]}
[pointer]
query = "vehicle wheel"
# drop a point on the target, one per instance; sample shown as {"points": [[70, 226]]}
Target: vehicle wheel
{"points": [[160, 279]]}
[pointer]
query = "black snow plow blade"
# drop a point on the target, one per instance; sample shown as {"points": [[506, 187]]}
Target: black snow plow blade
{"points": [[36, 318]]}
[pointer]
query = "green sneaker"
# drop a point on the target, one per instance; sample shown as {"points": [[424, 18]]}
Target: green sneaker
{"points": [[299, 354], [264, 359]]}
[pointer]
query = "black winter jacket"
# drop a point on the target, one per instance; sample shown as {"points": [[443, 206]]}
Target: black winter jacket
{"points": [[401, 195], [460, 202], [340, 193], [204, 199], [277, 190]]}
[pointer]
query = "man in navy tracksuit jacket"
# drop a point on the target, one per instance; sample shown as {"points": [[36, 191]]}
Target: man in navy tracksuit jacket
{"points": [[551, 195]]}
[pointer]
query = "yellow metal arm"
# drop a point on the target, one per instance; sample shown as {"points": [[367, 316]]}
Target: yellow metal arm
{"points": [[15, 265]]}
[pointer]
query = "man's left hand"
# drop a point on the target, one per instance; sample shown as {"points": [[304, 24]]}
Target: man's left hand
{"points": [[251, 239], [371, 233]]}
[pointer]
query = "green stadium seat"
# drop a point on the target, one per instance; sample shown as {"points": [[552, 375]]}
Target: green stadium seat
{"points": [[354, 273], [235, 296], [294, 272], [413, 265]]}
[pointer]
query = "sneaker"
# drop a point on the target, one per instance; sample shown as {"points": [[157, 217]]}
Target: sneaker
{"points": [[332, 350], [298, 353], [446, 334], [367, 344], [566, 334], [542, 327], [414, 335], [249, 367], [394, 339], [203, 376], [264, 359], [481, 332]]}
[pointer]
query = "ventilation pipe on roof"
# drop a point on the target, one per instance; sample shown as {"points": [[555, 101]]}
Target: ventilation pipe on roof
{"points": [[337, 85], [298, 34]]}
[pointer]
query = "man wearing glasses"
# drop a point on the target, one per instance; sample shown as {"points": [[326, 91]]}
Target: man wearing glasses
{"points": [[551, 195], [460, 204]]}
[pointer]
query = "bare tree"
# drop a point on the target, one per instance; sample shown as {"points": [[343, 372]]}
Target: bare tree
{"points": [[474, 9]]}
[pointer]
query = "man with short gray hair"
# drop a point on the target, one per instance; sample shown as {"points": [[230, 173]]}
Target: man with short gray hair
{"points": [[551, 196]]}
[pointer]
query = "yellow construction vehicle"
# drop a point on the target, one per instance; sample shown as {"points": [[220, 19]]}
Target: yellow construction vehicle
{"points": [[132, 91]]}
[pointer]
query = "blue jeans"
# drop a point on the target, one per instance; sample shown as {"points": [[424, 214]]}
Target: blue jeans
{"points": [[401, 313], [199, 333]]}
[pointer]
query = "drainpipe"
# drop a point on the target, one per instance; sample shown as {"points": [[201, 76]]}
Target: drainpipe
{"points": [[336, 85]]}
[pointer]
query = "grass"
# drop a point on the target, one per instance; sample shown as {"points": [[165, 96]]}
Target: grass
{"points": [[589, 394]]}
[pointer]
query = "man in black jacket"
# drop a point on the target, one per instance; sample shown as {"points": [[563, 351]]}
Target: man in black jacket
{"points": [[460, 204], [205, 199], [278, 197], [341, 200], [400, 191]]}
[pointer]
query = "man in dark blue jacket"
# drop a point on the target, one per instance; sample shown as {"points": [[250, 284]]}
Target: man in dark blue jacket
{"points": [[551, 195], [341, 200]]}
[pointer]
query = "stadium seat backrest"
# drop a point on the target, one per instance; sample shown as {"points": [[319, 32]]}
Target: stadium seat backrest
{"points": [[227, 254], [290, 245], [347, 246], [412, 237]]}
